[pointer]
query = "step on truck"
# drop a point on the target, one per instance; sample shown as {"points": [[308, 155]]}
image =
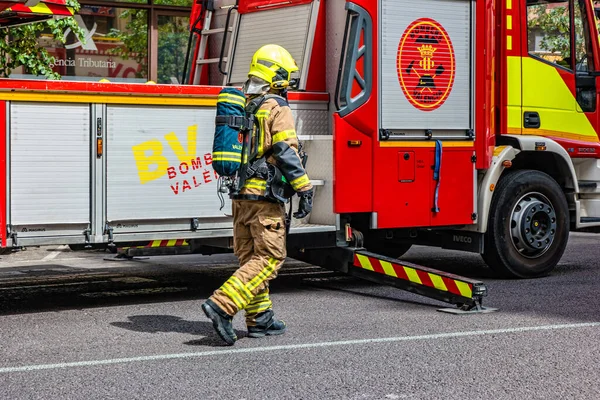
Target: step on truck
{"points": [[463, 124]]}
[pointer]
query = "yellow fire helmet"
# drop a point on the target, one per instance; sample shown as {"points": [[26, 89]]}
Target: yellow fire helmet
{"points": [[275, 65]]}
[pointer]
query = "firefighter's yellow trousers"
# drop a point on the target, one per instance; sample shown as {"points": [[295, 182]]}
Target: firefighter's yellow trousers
{"points": [[259, 244]]}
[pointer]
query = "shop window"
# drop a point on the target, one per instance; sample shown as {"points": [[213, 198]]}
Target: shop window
{"points": [[172, 46], [115, 47]]}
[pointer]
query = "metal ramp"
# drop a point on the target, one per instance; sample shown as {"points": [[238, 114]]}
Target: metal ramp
{"points": [[465, 293]]}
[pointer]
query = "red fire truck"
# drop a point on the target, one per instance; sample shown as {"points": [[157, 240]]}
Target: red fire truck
{"points": [[451, 123]]}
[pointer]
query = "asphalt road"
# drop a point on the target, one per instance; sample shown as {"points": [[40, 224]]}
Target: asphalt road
{"points": [[73, 326]]}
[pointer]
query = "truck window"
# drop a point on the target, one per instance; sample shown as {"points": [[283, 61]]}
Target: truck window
{"points": [[584, 58], [548, 30], [584, 55]]}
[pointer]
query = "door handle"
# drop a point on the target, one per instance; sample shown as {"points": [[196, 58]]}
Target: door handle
{"points": [[531, 119]]}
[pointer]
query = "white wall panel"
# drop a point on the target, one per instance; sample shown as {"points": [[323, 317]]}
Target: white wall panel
{"points": [[49, 164]]}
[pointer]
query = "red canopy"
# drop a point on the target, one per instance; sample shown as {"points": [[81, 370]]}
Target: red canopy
{"points": [[27, 11]]}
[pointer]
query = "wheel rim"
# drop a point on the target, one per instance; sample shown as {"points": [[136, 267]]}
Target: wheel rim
{"points": [[533, 225]]}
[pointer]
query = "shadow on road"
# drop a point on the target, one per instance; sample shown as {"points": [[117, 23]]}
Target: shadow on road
{"points": [[170, 323]]}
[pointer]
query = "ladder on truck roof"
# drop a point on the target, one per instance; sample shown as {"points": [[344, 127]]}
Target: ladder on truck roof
{"points": [[205, 33]]}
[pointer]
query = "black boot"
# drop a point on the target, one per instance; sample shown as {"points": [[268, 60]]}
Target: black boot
{"points": [[266, 325], [221, 322]]}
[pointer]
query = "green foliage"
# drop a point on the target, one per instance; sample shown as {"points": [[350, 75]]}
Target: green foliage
{"points": [[555, 27], [172, 42], [19, 46], [554, 23], [134, 39]]}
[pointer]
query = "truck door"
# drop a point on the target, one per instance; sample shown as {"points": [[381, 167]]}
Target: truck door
{"points": [[558, 68], [423, 162]]}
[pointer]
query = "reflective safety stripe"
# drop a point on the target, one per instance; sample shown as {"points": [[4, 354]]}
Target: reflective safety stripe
{"points": [[233, 99], [263, 113], [258, 308], [239, 286], [255, 184], [300, 182], [263, 275], [283, 135], [262, 116], [226, 156], [260, 298], [233, 295], [259, 303]]}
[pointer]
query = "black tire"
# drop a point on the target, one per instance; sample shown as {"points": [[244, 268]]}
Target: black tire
{"points": [[528, 226]]}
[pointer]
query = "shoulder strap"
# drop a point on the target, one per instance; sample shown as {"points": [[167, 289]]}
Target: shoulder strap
{"points": [[254, 105], [282, 101]]}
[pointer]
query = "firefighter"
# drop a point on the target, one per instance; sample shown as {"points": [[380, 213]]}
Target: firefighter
{"points": [[259, 223]]}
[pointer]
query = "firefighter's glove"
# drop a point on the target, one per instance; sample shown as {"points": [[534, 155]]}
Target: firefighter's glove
{"points": [[305, 205]]}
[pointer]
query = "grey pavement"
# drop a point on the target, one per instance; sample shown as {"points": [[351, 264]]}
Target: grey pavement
{"points": [[73, 326]]}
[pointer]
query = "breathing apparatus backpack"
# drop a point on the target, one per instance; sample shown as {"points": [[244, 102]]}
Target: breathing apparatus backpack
{"points": [[230, 123], [233, 157]]}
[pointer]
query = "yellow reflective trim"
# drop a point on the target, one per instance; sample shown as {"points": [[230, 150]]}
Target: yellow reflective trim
{"points": [[109, 99], [256, 183], [227, 156], [262, 116], [260, 298], [171, 242], [283, 135], [364, 262], [300, 182], [232, 99], [401, 143], [226, 159], [264, 274], [255, 309], [412, 275], [509, 22], [228, 153], [41, 8], [508, 4], [464, 289], [156, 243], [498, 150], [237, 283], [255, 187], [233, 295], [438, 282], [388, 268], [508, 42]]}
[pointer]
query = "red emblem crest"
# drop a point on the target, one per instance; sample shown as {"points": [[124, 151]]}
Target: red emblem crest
{"points": [[426, 64]]}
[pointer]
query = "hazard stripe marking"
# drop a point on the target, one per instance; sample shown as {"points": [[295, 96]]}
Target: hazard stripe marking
{"points": [[364, 262], [388, 268], [451, 285], [415, 275], [465, 289], [438, 282], [412, 275]]}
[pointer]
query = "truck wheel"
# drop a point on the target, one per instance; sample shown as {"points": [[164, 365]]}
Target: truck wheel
{"points": [[528, 226]]}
